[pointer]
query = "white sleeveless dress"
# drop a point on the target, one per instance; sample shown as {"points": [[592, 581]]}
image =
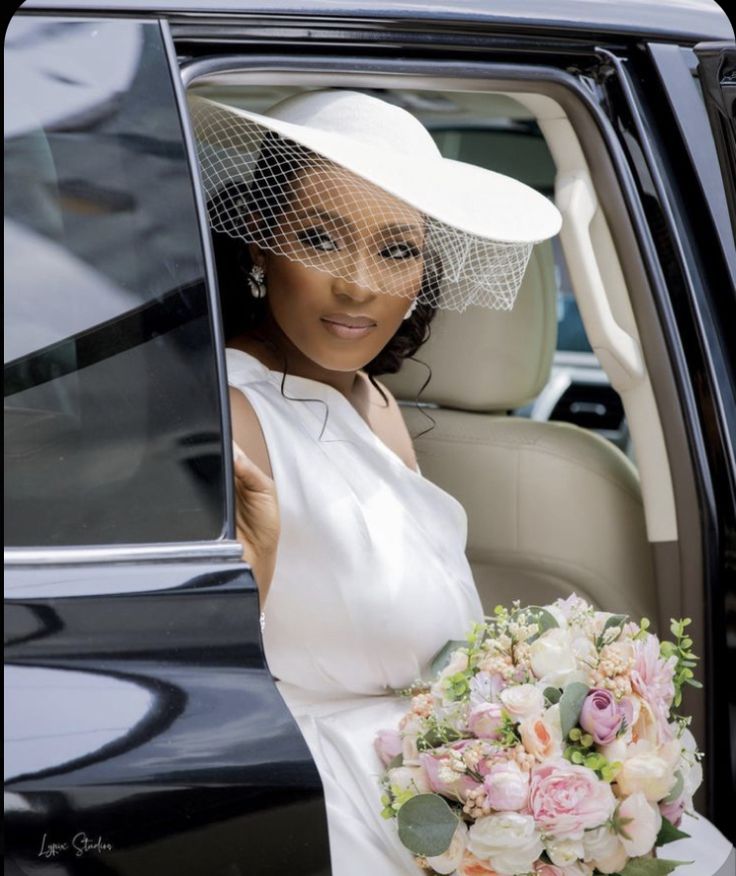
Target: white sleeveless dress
{"points": [[371, 580]]}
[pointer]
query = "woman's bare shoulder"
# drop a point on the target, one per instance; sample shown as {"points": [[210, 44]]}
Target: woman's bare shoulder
{"points": [[247, 432], [388, 423]]}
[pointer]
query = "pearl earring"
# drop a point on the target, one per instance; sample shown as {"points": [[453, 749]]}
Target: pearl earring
{"points": [[411, 309], [256, 279]]}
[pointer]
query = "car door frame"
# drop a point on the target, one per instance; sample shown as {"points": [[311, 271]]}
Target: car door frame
{"points": [[590, 89]]}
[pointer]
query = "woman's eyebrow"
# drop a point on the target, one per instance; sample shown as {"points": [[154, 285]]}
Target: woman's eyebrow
{"points": [[329, 216], [394, 226]]}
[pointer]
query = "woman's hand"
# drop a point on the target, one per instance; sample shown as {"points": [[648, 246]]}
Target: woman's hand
{"points": [[257, 519]]}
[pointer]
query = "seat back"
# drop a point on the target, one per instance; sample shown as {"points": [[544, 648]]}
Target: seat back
{"points": [[552, 508]]}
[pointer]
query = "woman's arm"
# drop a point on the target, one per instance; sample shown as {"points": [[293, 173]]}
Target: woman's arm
{"points": [[256, 505]]}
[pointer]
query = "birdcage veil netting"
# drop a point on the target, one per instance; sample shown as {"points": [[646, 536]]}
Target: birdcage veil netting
{"points": [[295, 202]]}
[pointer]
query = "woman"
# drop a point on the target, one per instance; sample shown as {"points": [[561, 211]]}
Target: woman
{"points": [[351, 230]]}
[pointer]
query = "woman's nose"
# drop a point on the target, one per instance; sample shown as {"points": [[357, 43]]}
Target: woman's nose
{"points": [[357, 280]]}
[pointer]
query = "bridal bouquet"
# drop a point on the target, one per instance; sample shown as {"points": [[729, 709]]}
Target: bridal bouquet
{"points": [[546, 743]]}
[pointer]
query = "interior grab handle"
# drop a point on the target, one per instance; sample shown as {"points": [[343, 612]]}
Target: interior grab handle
{"points": [[618, 352]]}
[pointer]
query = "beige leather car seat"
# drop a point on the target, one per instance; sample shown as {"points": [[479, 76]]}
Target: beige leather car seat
{"points": [[552, 508]]}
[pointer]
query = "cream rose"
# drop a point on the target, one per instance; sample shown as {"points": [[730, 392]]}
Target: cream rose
{"points": [[522, 701], [508, 840], [648, 769], [604, 849], [449, 860], [409, 778], [640, 832], [563, 852]]}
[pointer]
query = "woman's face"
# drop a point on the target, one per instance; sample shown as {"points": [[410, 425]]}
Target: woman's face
{"points": [[353, 250]]}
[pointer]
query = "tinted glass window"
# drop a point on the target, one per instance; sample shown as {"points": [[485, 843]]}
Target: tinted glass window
{"points": [[112, 428]]}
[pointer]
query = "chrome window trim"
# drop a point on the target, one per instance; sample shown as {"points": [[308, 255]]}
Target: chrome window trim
{"points": [[128, 553], [210, 278]]}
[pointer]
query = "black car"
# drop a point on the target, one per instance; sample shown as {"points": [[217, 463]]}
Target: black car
{"points": [[143, 730]]}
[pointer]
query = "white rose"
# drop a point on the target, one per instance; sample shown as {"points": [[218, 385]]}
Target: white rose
{"points": [[639, 834], [508, 840], [604, 849], [614, 751], [585, 652], [563, 852], [692, 771], [648, 770], [410, 778], [552, 657], [522, 701], [557, 610], [449, 860]]}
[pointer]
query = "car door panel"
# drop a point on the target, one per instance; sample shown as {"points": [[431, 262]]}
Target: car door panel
{"points": [[143, 730]]}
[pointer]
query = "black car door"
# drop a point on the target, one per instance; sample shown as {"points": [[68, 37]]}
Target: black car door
{"points": [[143, 730], [717, 75]]}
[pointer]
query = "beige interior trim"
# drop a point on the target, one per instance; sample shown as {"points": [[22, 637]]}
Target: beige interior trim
{"points": [[605, 309]]}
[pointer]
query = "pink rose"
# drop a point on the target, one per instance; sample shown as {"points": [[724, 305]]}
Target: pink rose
{"points": [[507, 786], [387, 744], [566, 799], [442, 780], [601, 716], [485, 720], [673, 811]]}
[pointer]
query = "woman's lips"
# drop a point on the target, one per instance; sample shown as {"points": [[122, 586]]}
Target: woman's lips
{"points": [[349, 332]]}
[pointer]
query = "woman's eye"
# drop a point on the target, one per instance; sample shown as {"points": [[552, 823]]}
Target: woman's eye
{"points": [[318, 238], [401, 251]]}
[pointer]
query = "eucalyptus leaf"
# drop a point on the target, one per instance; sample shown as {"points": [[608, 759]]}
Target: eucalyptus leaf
{"points": [[571, 702], [615, 620], [396, 761], [650, 866], [552, 695], [442, 657], [669, 833], [540, 616], [426, 824]]}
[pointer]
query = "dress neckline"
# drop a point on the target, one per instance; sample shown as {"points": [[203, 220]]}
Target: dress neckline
{"points": [[276, 376]]}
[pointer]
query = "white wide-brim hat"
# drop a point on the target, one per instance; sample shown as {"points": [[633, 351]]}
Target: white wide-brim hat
{"points": [[481, 224]]}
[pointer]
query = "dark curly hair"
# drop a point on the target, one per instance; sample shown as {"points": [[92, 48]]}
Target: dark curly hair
{"points": [[267, 196]]}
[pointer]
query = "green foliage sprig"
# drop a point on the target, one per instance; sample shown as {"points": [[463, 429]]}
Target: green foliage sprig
{"points": [[686, 660], [580, 751]]}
